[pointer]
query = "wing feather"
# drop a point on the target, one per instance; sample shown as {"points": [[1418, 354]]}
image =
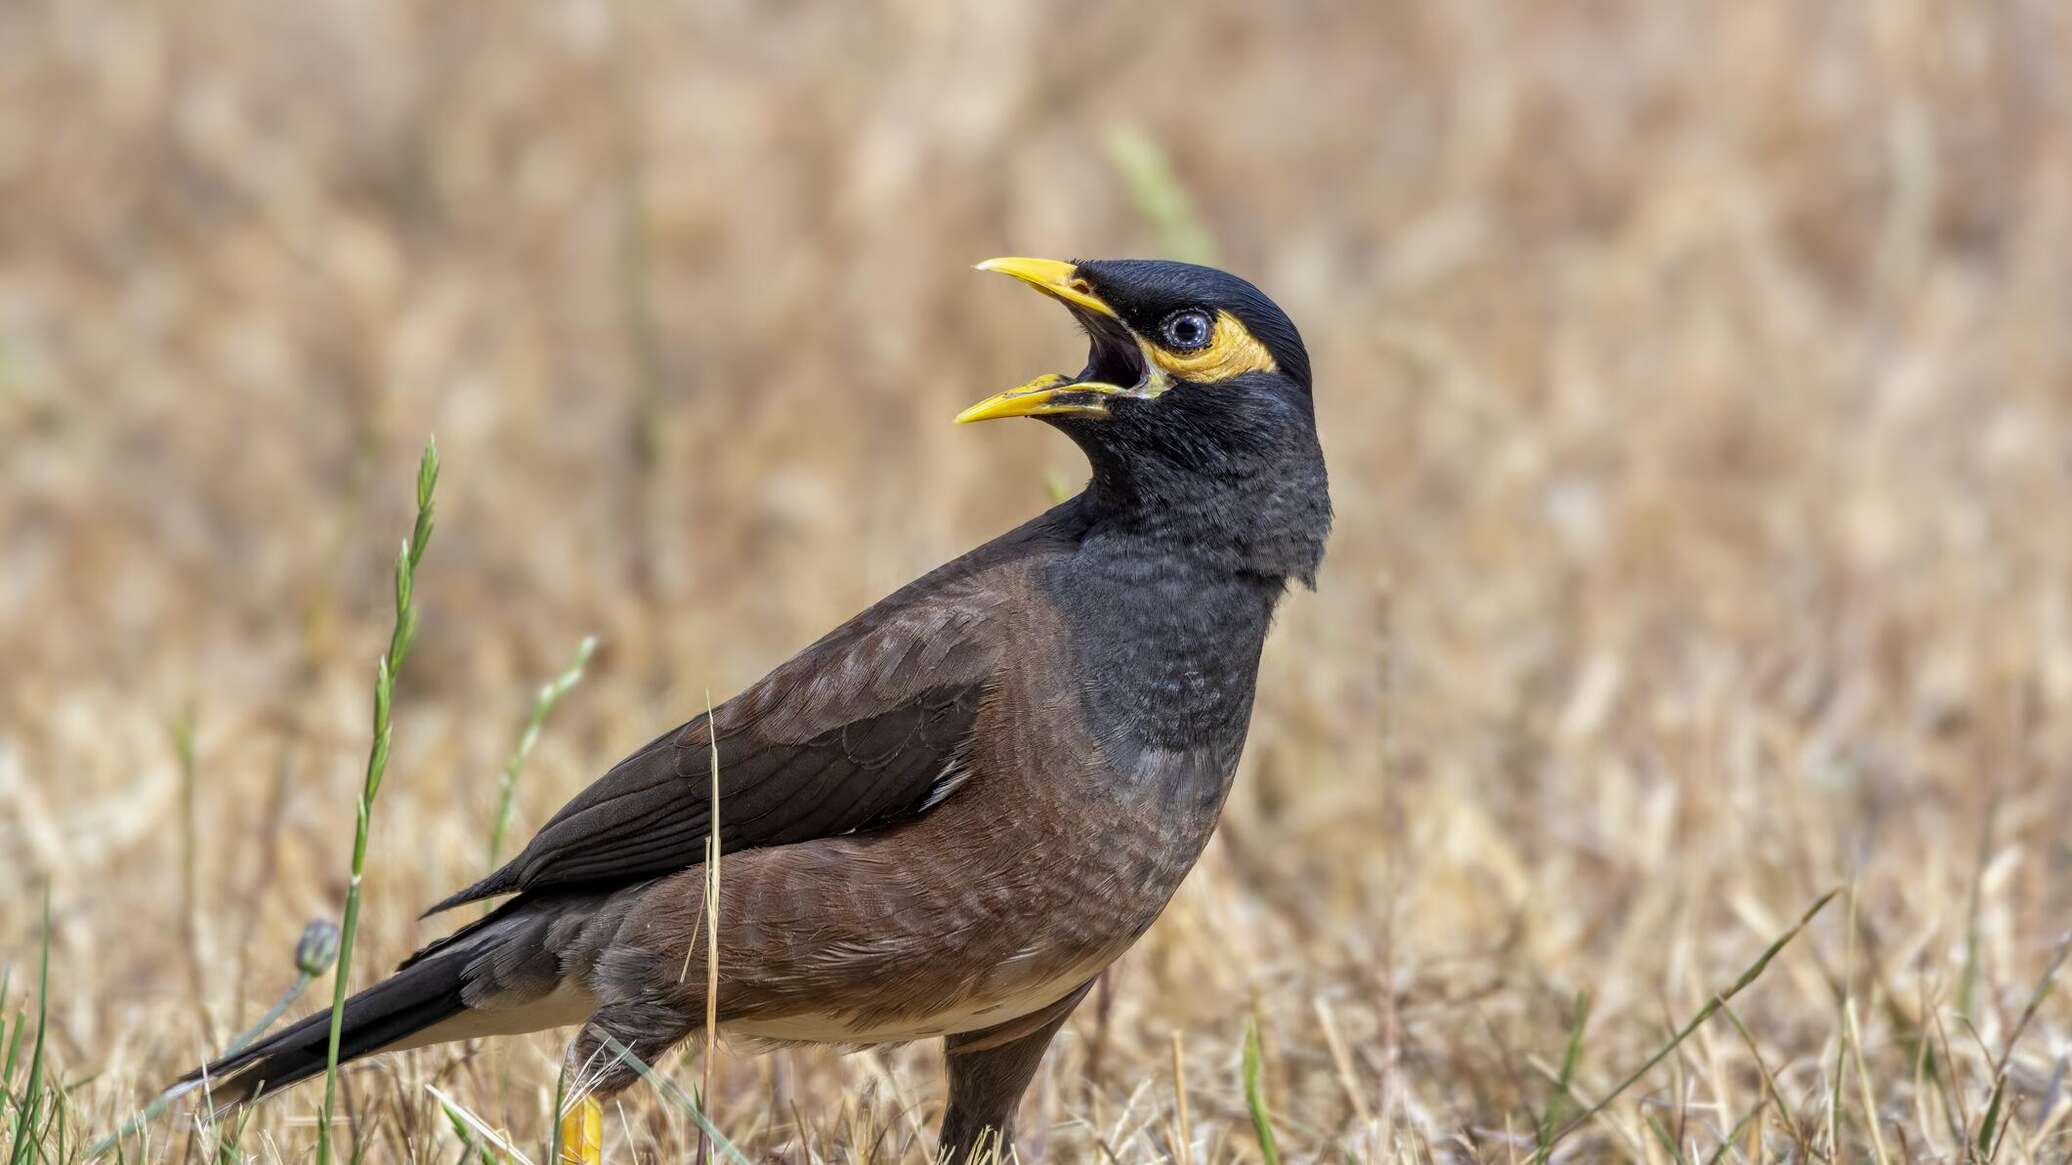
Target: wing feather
{"points": [[852, 733]]}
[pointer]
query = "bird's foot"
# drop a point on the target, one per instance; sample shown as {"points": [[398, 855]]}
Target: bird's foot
{"points": [[582, 1133]]}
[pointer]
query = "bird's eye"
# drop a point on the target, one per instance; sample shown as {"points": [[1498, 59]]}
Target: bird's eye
{"points": [[1186, 330]]}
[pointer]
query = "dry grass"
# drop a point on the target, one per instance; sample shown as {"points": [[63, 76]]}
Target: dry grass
{"points": [[1697, 384]]}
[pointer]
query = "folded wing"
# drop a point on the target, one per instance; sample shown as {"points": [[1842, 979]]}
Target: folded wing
{"points": [[867, 726]]}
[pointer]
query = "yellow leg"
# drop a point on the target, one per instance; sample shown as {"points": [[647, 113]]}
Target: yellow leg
{"points": [[582, 1133]]}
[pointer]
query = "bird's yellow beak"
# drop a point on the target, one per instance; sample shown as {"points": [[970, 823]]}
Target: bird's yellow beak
{"points": [[1050, 394], [1053, 277]]}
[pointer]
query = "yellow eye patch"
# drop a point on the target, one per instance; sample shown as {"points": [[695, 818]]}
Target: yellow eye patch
{"points": [[1231, 351]]}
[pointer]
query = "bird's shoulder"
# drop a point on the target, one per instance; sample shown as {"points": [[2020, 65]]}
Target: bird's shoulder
{"points": [[947, 628]]}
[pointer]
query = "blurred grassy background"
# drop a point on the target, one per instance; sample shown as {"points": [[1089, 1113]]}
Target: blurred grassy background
{"points": [[1697, 386]]}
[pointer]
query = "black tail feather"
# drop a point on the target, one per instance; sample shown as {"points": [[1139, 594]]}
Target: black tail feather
{"points": [[423, 992]]}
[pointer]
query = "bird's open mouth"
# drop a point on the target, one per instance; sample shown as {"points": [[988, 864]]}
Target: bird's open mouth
{"points": [[1115, 365], [1114, 357]]}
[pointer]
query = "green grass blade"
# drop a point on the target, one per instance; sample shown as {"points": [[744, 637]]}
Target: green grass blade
{"points": [[1255, 1097], [476, 1138], [1754, 972], [1991, 1120], [227, 1149], [7, 1041], [1734, 1134], [1663, 1138], [14, 1047], [550, 693], [554, 1120], [57, 1122], [29, 1110], [279, 1008], [377, 767], [675, 1096], [1551, 1119]]}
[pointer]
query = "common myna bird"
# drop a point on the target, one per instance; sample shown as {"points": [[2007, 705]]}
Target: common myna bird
{"points": [[949, 815]]}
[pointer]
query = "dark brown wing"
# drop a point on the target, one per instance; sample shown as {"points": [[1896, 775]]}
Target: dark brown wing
{"points": [[864, 727], [651, 813]]}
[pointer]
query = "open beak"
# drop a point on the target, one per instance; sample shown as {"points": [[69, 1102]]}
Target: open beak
{"points": [[1116, 367]]}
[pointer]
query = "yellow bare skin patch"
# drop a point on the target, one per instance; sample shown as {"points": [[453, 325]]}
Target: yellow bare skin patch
{"points": [[1231, 351]]}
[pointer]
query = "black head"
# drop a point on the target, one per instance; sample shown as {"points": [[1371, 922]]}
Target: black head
{"points": [[1209, 324], [1195, 400], [1155, 326]]}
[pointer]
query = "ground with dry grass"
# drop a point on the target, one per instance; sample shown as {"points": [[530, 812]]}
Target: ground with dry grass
{"points": [[1696, 382]]}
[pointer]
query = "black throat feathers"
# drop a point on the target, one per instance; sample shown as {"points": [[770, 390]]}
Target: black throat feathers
{"points": [[1193, 529]]}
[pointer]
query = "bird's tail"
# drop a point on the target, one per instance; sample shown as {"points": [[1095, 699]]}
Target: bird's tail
{"points": [[416, 997], [446, 991]]}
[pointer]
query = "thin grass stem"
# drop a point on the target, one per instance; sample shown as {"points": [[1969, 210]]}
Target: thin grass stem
{"points": [[1754, 972], [675, 1096], [385, 673], [28, 1111], [1255, 1097], [543, 702]]}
